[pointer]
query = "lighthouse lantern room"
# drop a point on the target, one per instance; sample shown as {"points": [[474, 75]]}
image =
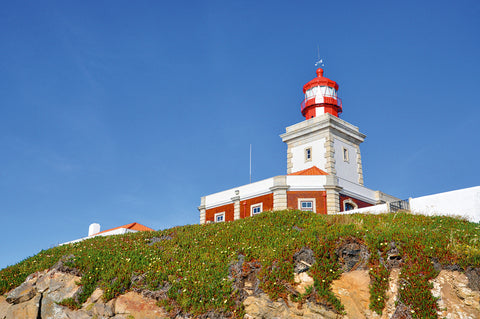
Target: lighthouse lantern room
{"points": [[321, 96]]}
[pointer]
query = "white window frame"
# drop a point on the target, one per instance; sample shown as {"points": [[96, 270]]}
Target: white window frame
{"points": [[345, 154], [222, 214], [314, 204], [308, 159], [351, 202], [252, 207]]}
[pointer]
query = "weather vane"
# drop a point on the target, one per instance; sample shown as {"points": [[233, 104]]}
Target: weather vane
{"points": [[319, 61]]}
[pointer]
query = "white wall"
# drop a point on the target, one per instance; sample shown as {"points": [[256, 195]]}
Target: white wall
{"points": [[318, 155], [118, 231], [306, 182], [377, 209], [345, 170], [463, 202], [245, 191]]}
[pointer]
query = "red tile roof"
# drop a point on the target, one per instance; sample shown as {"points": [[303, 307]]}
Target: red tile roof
{"points": [[132, 226], [310, 171]]}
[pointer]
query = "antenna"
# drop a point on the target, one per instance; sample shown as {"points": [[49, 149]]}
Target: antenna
{"points": [[250, 163]]}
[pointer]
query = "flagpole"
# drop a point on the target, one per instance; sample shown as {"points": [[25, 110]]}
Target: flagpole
{"points": [[250, 163]]}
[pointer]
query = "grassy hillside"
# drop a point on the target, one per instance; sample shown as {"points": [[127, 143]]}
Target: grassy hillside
{"points": [[194, 267]]}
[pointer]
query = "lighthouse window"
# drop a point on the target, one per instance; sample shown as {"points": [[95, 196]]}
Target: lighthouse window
{"points": [[256, 209], [345, 154], [306, 204], [220, 217], [308, 154]]}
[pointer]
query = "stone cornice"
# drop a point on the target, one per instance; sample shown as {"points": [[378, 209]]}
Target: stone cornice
{"points": [[279, 187], [324, 124]]}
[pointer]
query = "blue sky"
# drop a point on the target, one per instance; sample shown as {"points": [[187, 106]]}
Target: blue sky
{"points": [[119, 111]]}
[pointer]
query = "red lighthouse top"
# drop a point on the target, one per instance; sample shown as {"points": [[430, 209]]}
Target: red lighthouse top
{"points": [[321, 97]]}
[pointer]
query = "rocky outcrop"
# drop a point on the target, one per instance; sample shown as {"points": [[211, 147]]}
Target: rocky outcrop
{"points": [[457, 300], [39, 295], [263, 307]]}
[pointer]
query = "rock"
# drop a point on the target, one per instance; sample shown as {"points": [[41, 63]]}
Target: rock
{"points": [[51, 310], [262, 307], [303, 259], [26, 309], [394, 260], [154, 240], [57, 285], [96, 295], [62, 267], [303, 281], [138, 306], [4, 305], [245, 280], [22, 293], [352, 288], [457, 300], [102, 310], [352, 254], [392, 292], [473, 275], [402, 312]]}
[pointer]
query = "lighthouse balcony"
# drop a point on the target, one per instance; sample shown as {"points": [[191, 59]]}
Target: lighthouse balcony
{"points": [[333, 100]]}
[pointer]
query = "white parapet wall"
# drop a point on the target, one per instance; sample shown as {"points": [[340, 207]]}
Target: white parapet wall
{"points": [[463, 202], [118, 231], [377, 209], [246, 191]]}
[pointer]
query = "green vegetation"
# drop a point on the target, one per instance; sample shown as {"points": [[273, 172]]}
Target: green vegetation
{"points": [[192, 264]]}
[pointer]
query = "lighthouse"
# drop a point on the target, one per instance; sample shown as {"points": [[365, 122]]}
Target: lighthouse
{"points": [[324, 140], [321, 96], [324, 166]]}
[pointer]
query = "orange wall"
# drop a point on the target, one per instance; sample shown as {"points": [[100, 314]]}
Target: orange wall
{"points": [[228, 209], [292, 199], [267, 201]]}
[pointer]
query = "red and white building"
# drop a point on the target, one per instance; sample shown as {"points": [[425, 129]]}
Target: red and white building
{"points": [[324, 166]]}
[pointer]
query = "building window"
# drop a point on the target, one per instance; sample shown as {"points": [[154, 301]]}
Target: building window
{"points": [[307, 204], [220, 217], [256, 209], [308, 154], [349, 205], [345, 154]]}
